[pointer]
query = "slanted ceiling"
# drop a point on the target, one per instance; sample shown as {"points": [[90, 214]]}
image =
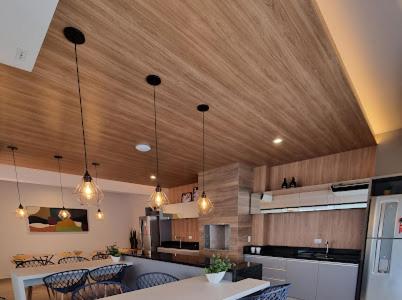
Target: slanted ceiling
{"points": [[266, 69]]}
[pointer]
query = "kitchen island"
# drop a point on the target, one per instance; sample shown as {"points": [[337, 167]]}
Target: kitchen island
{"points": [[197, 288], [183, 266]]}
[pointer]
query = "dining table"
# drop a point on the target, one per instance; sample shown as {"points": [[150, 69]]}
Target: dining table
{"points": [[22, 278], [197, 288]]}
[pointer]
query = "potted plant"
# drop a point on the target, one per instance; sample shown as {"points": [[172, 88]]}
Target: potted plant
{"points": [[217, 269], [114, 252]]}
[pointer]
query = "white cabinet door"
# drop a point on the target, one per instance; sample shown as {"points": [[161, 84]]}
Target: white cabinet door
{"points": [[336, 281], [302, 274], [182, 210]]}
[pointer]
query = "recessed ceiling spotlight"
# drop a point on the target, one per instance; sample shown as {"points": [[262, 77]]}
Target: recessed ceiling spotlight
{"points": [[277, 141], [152, 177], [143, 147]]}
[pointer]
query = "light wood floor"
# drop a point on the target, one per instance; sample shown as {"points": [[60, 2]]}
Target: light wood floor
{"points": [[38, 292]]}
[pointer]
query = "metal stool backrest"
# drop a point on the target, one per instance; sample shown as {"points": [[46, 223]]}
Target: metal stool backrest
{"points": [[98, 290], [276, 292], [99, 256], [112, 273], [153, 279], [67, 281], [72, 259], [32, 263]]}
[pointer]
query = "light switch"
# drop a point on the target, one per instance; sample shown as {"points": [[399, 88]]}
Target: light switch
{"points": [[317, 241]]}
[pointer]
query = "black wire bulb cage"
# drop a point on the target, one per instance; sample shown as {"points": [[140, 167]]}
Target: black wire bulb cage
{"points": [[87, 191]]}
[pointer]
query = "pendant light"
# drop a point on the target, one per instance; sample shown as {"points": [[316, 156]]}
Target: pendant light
{"points": [[99, 214], [87, 191], [205, 205], [158, 197], [63, 213], [20, 212]]}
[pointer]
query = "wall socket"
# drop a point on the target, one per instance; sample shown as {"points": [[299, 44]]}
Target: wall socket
{"points": [[317, 241], [190, 237], [249, 239]]}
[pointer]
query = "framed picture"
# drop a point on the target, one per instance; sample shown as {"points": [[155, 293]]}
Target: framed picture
{"points": [[186, 197], [46, 219], [195, 193]]}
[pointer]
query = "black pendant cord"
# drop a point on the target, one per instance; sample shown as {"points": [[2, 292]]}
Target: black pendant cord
{"points": [[82, 114], [16, 177], [203, 152], [61, 184], [156, 142]]}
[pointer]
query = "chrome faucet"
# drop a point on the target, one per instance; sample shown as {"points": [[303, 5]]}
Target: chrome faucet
{"points": [[327, 248], [178, 237]]}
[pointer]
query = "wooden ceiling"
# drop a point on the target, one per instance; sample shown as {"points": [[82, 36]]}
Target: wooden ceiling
{"points": [[266, 69]]}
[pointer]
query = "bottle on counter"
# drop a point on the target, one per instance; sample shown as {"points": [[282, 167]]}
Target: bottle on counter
{"points": [[293, 183], [285, 184]]}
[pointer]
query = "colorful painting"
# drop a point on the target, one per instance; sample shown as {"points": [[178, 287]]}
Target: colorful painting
{"points": [[45, 219]]}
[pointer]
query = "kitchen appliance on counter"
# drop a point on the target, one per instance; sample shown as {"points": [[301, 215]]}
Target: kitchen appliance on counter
{"points": [[382, 273], [154, 229]]}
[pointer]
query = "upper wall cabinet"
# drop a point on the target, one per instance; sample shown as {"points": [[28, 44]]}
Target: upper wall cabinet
{"points": [[182, 210]]}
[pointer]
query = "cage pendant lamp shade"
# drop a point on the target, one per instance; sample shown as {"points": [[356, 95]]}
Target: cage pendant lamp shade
{"points": [[205, 205], [87, 191], [158, 198], [63, 213], [20, 212]]}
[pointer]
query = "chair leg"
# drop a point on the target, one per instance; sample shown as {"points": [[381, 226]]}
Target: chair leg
{"points": [[48, 293]]}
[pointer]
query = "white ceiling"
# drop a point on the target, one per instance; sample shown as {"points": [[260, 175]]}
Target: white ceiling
{"points": [[368, 37], [23, 27]]}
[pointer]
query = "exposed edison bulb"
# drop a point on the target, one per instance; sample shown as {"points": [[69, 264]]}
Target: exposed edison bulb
{"points": [[158, 198], [100, 215], [205, 205], [21, 212], [64, 214], [88, 192]]}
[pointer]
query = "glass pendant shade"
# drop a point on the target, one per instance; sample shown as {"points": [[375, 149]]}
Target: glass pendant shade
{"points": [[100, 215], [158, 198], [205, 205], [88, 192], [64, 214], [21, 212]]}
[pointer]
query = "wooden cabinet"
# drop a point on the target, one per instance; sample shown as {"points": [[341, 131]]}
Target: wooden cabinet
{"points": [[336, 281], [302, 274]]}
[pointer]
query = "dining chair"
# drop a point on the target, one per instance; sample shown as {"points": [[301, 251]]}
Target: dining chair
{"points": [[147, 280], [98, 290], [31, 263], [72, 259], [100, 256], [275, 292], [111, 273], [66, 282]]}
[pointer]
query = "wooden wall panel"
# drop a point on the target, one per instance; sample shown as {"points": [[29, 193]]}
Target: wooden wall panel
{"points": [[354, 164], [184, 228], [261, 179], [257, 229], [342, 228], [174, 193]]}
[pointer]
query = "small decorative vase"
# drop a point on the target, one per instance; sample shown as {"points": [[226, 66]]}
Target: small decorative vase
{"points": [[115, 259], [215, 278]]}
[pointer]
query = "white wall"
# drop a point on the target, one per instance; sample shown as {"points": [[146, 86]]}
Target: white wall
{"points": [[389, 153], [121, 214]]}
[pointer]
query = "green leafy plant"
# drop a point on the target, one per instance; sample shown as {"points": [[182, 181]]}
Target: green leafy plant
{"points": [[218, 264], [113, 250]]}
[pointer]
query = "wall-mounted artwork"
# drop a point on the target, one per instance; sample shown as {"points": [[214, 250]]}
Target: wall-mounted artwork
{"points": [[45, 219]]}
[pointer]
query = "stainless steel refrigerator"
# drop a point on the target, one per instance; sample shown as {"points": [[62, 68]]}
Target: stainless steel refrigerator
{"points": [[382, 273], [153, 231]]}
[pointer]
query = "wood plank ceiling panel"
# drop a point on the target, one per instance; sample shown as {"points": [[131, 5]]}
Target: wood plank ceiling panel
{"points": [[266, 68]]}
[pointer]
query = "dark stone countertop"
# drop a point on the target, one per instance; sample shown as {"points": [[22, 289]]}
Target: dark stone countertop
{"points": [[240, 270], [334, 255]]}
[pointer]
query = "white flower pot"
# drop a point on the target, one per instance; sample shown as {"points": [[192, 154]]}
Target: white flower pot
{"points": [[115, 259], [215, 277]]}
